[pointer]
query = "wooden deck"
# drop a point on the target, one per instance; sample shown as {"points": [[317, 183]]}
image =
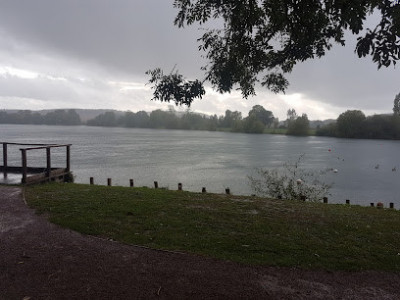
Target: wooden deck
{"points": [[35, 175]]}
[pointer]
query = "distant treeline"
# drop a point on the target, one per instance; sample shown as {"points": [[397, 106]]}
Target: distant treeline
{"points": [[57, 117], [350, 124], [256, 122], [354, 124]]}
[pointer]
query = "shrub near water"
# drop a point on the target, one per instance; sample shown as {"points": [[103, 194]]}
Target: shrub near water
{"points": [[250, 230], [290, 182]]}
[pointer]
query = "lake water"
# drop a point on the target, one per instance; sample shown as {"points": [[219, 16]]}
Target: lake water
{"points": [[215, 160]]}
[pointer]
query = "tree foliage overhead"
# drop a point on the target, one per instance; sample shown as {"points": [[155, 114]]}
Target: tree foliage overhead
{"points": [[262, 40], [174, 87]]}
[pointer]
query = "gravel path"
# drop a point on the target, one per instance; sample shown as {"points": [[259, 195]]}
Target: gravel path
{"points": [[39, 260]]}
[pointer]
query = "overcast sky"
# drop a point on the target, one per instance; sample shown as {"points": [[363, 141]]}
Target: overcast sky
{"points": [[94, 53]]}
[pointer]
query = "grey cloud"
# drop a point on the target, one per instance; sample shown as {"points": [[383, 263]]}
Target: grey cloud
{"points": [[12, 86], [119, 40], [129, 36], [343, 79]]}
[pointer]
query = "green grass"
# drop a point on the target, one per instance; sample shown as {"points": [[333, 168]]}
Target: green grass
{"points": [[249, 230]]}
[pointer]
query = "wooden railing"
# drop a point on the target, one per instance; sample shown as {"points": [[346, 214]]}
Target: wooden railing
{"points": [[49, 174]]}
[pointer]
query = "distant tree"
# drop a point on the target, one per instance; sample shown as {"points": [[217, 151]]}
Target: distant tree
{"points": [[299, 126], [160, 119], [396, 127], [62, 117], [72, 117], [213, 123], [230, 118], [238, 126], [142, 119], [264, 116], [3, 117], [276, 123], [107, 119], [327, 130], [37, 119], [129, 120], [21, 117], [261, 41], [396, 105], [252, 125], [196, 121], [378, 127], [291, 114], [349, 124]]}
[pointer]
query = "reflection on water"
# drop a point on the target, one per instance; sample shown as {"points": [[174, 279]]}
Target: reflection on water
{"points": [[215, 160], [11, 178]]}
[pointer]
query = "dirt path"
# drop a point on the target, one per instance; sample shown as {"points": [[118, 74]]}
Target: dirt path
{"points": [[42, 261]]}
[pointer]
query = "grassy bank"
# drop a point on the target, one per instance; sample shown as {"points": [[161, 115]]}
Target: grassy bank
{"points": [[244, 229]]}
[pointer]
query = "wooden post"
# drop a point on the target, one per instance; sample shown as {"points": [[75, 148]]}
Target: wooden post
{"points": [[347, 201], [155, 184], [91, 180], [68, 158], [325, 199], [372, 204], [48, 159], [109, 181], [227, 191], [24, 165], [302, 198], [179, 186], [131, 184], [391, 205], [5, 159], [203, 190]]}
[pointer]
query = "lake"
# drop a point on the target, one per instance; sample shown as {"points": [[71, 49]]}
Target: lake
{"points": [[215, 160]]}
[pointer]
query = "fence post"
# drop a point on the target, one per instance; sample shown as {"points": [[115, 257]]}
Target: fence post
{"points": [[227, 191], [91, 180], [155, 184], [325, 199], [131, 184], [48, 159], [109, 181], [68, 158], [24, 165], [204, 190], [5, 159], [347, 201], [179, 186]]}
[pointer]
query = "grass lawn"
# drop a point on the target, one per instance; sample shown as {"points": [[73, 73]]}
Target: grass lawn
{"points": [[249, 230]]}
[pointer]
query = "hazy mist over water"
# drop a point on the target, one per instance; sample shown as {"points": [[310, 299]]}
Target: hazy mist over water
{"points": [[215, 160]]}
